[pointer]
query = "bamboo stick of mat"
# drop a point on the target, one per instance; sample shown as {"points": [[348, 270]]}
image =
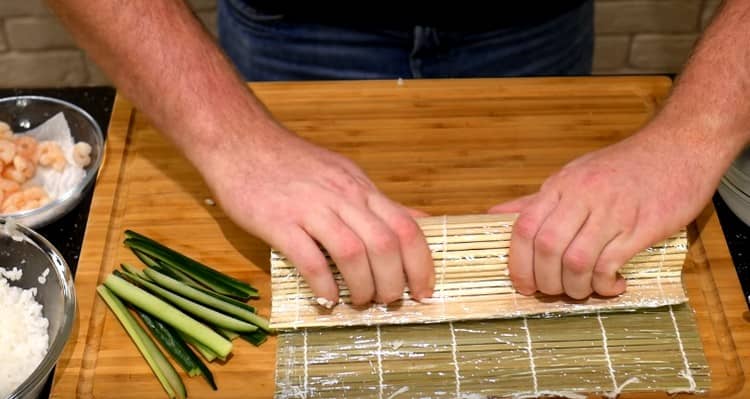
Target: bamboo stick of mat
{"points": [[470, 254], [649, 349]]}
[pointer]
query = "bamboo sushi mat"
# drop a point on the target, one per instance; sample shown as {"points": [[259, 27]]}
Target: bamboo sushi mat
{"points": [[650, 349], [478, 338], [470, 254]]}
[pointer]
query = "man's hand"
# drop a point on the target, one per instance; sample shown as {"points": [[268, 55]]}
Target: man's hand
{"points": [[600, 210], [294, 195]]}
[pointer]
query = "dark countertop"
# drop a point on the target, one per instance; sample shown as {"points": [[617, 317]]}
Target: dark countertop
{"points": [[67, 233]]}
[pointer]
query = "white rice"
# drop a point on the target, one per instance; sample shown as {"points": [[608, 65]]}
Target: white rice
{"points": [[23, 332]]}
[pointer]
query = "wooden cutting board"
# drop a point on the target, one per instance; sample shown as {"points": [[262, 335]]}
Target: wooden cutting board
{"points": [[443, 146]]}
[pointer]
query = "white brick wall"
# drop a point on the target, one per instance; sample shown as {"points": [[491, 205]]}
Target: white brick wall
{"points": [[633, 36]]}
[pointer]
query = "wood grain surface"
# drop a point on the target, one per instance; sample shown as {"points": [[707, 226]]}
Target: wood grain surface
{"points": [[443, 146]]}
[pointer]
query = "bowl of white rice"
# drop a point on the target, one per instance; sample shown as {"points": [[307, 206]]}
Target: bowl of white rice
{"points": [[37, 310]]}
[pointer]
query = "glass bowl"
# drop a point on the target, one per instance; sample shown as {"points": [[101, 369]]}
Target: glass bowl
{"points": [[24, 113], [30, 252]]}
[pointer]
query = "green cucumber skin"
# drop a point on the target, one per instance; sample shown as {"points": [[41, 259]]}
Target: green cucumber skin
{"points": [[132, 235], [174, 344], [169, 314]]}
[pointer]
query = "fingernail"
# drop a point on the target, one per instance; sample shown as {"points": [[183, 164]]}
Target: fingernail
{"points": [[430, 300], [324, 302]]}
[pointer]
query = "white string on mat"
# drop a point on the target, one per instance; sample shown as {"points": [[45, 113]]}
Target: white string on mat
{"points": [[545, 393], [616, 389], [401, 390], [379, 354], [686, 373], [454, 346], [536, 393], [532, 363], [454, 352], [304, 359]]}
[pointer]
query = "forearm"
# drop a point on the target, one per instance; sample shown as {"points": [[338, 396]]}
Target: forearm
{"points": [[160, 57], [709, 107]]}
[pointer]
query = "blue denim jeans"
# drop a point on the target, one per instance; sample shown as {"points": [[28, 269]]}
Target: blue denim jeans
{"points": [[269, 47]]}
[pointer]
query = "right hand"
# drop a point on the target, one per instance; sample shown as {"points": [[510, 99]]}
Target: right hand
{"points": [[292, 194]]}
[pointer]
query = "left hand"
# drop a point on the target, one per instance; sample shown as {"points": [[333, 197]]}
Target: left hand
{"points": [[600, 210]]}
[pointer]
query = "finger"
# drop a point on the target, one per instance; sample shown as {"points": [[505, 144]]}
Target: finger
{"points": [[383, 251], [557, 232], [606, 280], [513, 206], [347, 251], [415, 254], [581, 255], [525, 228], [305, 254]]}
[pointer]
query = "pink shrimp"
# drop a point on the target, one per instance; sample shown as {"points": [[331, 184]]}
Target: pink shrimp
{"points": [[20, 171], [13, 203], [8, 187], [82, 154], [34, 197], [26, 146], [50, 154], [5, 131], [7, 151]]}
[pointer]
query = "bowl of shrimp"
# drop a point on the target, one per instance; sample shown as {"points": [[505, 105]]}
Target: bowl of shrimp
{"points": [[50, 155]]}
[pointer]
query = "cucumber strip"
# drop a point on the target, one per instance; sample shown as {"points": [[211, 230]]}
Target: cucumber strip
{"points": [[147, 260], [211, 282], [256, 338], [164, 371], [191, 264], [206, 352], [168, 314], [205, 313], [133, 271], [172, 343], [195, 365], [156, 265], [205, 299], [224, 298], [230, 335]]}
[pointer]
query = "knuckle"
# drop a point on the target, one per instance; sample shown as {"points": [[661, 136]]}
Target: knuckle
{"points": [[547, 242], [384, 242], [350, 250], [525, 228], [313, 267], [406, 229], [603, 274], [577, 261]]}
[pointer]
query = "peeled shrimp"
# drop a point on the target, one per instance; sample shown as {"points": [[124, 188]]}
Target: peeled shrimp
{"points": [[30, 198], [34, 197], [5, 131], [26, 146], [7, 151], [21, 170], [8, 187], [13, 203], [50, 154], [82, 154]]}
